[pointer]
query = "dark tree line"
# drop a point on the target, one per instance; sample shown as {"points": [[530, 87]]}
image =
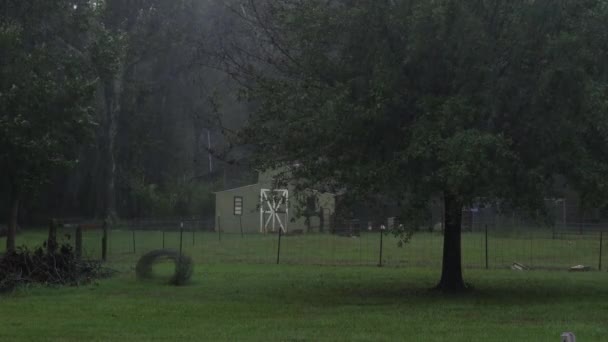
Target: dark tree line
{"points": [[107, 109]]}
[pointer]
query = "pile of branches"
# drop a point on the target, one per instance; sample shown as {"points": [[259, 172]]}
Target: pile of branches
{"points": [[184, 266], [58, 267]]}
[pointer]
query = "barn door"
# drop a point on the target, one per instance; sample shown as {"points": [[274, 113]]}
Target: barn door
{"points": [[274, 210]]}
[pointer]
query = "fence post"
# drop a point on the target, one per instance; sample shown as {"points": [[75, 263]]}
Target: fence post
{"points": [[104, 241], [487, 264], [163, 239], [51, 242], [78, 242], [601, 243], [181, 238], [133, 234], [193, 236], [279, 245], [380, 258], [241, 225], [219, 229]]}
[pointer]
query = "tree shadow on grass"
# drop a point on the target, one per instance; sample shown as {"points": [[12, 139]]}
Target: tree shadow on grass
{"points": [[504, 291]]}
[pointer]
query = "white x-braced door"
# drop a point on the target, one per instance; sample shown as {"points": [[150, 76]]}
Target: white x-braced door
{"points": [[274, 210]]}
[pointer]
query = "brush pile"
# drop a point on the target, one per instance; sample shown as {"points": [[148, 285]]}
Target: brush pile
{"points": [[54, 267]]}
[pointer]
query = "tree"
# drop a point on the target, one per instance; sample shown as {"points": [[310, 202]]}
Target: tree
{"points": [[152, 108], [150, 91], [46, 91], [412, 100]]}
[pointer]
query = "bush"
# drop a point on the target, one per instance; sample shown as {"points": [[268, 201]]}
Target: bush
{"points": [[169, 200]]}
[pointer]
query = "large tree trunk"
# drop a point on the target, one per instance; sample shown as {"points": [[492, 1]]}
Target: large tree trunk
{"points": [[11, 232], [451, 272]]}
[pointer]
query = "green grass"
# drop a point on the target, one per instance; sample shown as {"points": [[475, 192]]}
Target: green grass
{"points": [[535, 248], [314, 303], [238, 293]]}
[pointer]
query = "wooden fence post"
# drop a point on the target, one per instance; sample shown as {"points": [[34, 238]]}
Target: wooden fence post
{"points": [[51, 242], [78, 242], [104, 241]]}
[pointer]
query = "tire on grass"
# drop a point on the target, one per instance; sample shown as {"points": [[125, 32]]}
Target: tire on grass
{"points": [[183, 265]]}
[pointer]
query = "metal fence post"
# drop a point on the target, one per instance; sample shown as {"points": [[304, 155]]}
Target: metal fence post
{"points": [[219, 229], [487, 264], [380, 257], [279, 246], [133, 234], [241, 225], [601, 243], [181, 239]]}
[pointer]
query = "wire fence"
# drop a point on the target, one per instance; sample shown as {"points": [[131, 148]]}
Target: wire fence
{"points": [[484, 245]]}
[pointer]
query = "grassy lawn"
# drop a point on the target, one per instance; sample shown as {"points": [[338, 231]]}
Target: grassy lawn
{"points": [[238, 293], [311, 303]]}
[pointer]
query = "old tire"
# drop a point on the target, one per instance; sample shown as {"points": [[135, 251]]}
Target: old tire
{"points": [[183, 265]]}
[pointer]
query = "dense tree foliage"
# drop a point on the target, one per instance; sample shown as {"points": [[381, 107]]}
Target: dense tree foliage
{"points": [[467, 101], [46, 90], [139, 71]]}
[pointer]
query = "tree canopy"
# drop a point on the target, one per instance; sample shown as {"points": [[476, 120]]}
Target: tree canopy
{"points": [[47, 86], [140, 71], [413, 99]]}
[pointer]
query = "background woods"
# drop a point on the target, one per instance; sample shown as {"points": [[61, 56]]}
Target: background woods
{"points": [[125, 97]]}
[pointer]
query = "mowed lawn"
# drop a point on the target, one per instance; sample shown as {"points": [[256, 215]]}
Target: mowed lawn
{"points": [[238, 302], [326, 288]]}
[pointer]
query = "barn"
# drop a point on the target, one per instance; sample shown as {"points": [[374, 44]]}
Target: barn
{"points": [[260, 208]]}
